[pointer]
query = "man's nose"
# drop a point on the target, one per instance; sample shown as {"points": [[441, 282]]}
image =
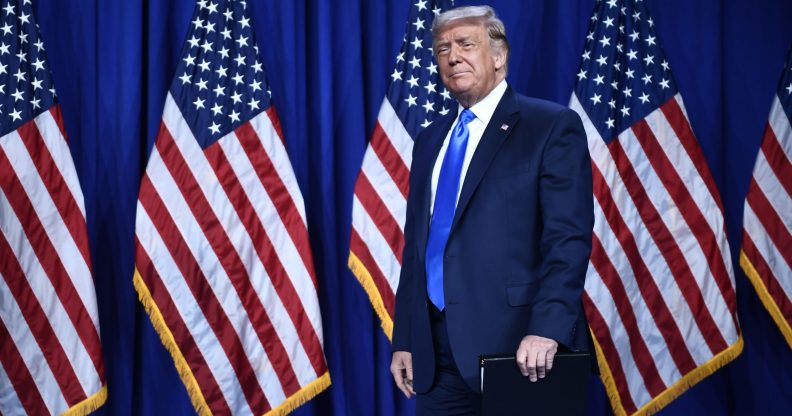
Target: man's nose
{"points": [[453, 56]]}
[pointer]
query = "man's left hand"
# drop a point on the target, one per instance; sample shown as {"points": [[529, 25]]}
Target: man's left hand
{"points": [[535, 356]]}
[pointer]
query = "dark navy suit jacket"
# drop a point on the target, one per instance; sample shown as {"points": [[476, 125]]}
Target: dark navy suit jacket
{"points": [[517, 253]]}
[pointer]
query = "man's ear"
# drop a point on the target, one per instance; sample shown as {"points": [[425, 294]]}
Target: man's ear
{"points": [[499, 58]]}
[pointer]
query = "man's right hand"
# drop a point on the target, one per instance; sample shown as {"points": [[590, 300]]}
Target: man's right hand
{"points": [[402, 370]]}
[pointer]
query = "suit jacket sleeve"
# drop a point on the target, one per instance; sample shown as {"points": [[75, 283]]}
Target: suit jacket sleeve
{"points": [[566, 202], [404, 293]]}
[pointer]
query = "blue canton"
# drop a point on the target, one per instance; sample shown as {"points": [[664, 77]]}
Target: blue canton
{"points": [[785, 86], [416, 92], [624, 74], [220, 80], [25, 80]]}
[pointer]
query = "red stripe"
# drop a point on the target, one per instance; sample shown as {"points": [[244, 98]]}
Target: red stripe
{"points": [[202, 292], [640, 352], [276, 124], [56, 186], [281, 199], [380, 215], [649, 290], [699, 228], [55, 111], [679, 123], [280, 279], [21, 380], [777, 159], [602, 333], [38, 323], [361, 250], [178, 328], [769, 280], [773, 224], [391, 159], [51, 263]]}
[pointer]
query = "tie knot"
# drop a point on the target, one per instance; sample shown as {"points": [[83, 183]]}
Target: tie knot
{"points": [[467, 116]]}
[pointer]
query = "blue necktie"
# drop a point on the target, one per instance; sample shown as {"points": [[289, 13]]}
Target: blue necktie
{"points": [[444, 207]]}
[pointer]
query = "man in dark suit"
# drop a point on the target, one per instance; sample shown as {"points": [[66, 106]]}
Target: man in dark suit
{"points": [[498, 229]]}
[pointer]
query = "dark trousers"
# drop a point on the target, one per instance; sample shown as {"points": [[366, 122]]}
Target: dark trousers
{"points": [[449, 395]]}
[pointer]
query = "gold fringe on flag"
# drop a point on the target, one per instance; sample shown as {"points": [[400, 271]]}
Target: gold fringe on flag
{"points": [[764, 295], [365, 279], [672, 392]]}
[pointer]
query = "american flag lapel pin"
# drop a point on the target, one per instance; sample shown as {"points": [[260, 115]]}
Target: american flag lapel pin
{"points": [[504, 127]]}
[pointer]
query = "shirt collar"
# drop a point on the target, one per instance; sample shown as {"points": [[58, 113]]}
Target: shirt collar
{"points": [[485, 108]]}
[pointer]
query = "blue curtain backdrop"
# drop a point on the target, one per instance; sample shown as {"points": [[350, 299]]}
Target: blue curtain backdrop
{"points": [[328, 64]]}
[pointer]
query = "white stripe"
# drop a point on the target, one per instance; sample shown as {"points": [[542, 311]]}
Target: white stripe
{"points": [[29, 350], [769, 251], [52, 222], [603, 301], [385, 187], [650, 254], [194, 320], [273, 145], [691, 251], [46, 296], [294, 268], [686, 169], [210, 265], [9, 400], [773, 190], [378, 246], [781, 127], [244, 247], [61, 154], [394, 129], [652, 337]]}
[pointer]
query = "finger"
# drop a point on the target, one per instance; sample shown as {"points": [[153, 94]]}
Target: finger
{"points": [[550, 358], [541, 363], [522, 361], [531, 364]]}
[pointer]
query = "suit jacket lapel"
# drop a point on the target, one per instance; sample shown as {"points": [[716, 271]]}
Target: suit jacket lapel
{"points": [[428, 156], [500, 126]]}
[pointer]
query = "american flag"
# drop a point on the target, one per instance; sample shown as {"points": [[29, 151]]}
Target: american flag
{"points": [[223, 259], [659, 292], [50, 352], [766, 255], [415, 98]]}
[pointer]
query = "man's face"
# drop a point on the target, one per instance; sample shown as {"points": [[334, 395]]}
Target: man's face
{"points": [[468, 64]]}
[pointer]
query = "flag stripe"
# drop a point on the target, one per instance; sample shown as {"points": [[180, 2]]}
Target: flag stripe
{"points": [[379, 250], [391, 160], [270, 260], [649, 328], [16, 372], [648, 288], [602, 333], [52, 224], [777, 159], [379, 213], [668, 245], [272, 178], [197, 282], [200, 369], [48, 257], [641, 355], [55, 184], [38, 326], [679, 123], [383, 287], [238, 271], [773, 224], [768, 277], [200, 326]]}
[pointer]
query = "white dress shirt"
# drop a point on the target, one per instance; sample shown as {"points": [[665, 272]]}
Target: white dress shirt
{"points": [[483, 110]]}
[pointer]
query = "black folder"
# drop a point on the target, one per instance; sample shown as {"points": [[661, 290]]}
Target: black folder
{"points": [[561, 393]]}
